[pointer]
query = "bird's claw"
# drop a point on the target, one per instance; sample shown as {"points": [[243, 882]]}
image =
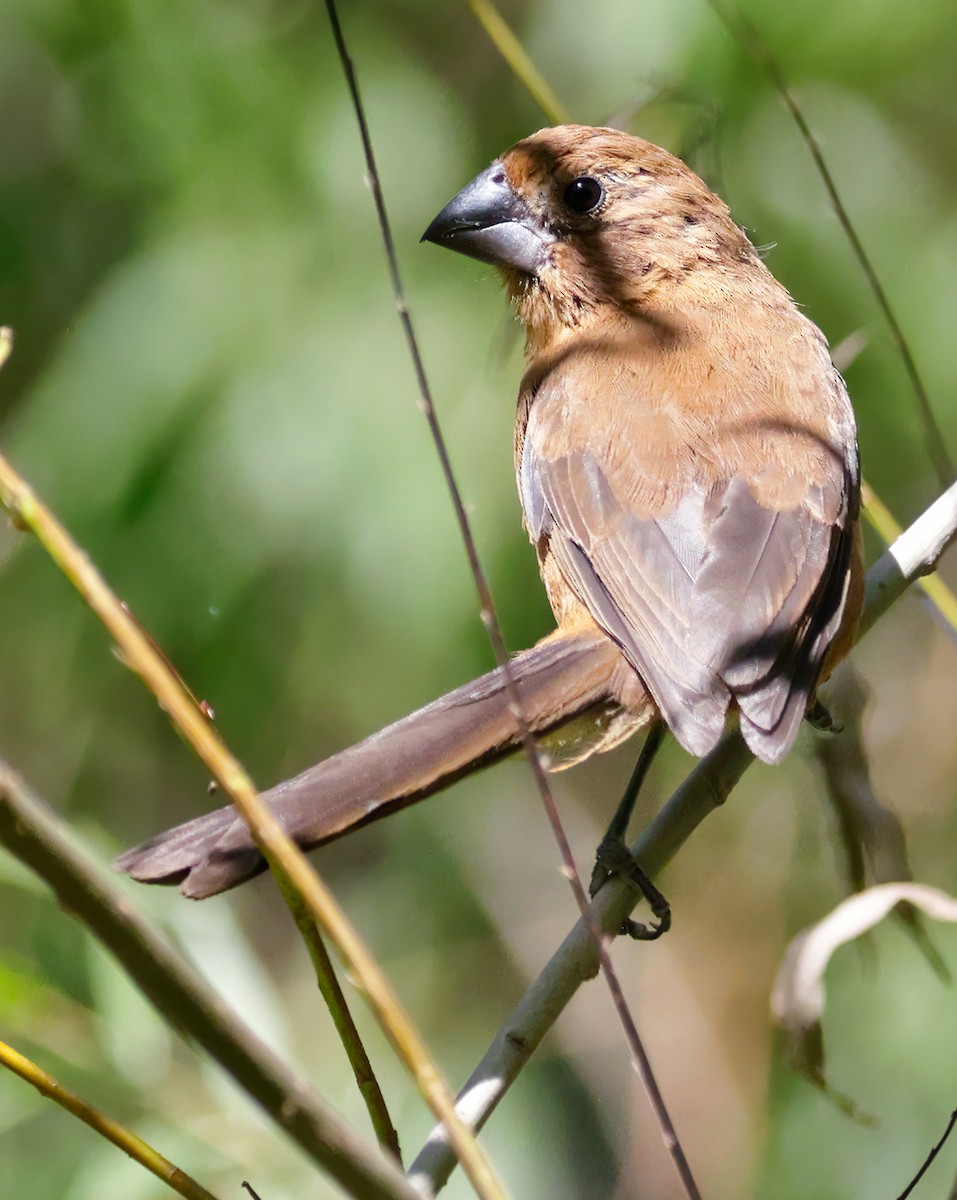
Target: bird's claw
{"points": [[819, 717], [615, 860]]}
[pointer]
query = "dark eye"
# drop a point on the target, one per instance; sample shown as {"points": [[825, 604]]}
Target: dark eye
{"points": [[583, 195]]}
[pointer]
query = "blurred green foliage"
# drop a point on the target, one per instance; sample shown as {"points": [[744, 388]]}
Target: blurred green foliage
{"points": [[211, 388]]}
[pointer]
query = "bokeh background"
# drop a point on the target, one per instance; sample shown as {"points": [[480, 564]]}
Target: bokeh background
{"points": [[211, 388]]}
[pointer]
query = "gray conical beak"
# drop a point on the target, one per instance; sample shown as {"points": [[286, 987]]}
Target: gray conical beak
{"points": [[487, 220]]}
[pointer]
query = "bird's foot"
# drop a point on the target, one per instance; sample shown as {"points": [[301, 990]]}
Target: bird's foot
{"points": [[819, 717], [615, 860]]}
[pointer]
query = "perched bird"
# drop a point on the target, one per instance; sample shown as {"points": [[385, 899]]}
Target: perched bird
{"points": [[687, 466]]}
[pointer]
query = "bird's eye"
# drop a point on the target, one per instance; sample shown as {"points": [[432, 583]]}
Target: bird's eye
{"points": [[583, 195]]}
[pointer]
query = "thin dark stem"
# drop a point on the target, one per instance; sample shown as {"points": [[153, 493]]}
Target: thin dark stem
{"points": [[489, 619], [749, 37], [642, 1064], [930, 1157], [331, 992], [493, 629]]}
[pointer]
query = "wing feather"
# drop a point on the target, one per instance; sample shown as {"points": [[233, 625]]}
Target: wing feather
{"points": [[716, 597]]}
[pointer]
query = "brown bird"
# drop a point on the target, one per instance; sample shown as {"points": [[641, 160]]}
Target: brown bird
{"points": [[687, 466]]}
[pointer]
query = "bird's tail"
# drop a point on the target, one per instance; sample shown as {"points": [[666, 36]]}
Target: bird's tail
{"points": [[566, 685]]}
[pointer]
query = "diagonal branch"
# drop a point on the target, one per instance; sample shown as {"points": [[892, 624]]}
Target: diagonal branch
{"points": [[299, 882], [331, 991], [943, 603], [31, 833], [519, 61], [121, 1137], [914, 554]]}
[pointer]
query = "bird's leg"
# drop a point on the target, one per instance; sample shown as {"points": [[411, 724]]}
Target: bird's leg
{"points": [[615, 859], [619, 823]]}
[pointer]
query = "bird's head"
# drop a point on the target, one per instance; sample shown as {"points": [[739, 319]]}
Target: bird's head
{"points": [[580, 219]]}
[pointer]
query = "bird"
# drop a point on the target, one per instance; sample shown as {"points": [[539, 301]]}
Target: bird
{"points": [[687, 466]]}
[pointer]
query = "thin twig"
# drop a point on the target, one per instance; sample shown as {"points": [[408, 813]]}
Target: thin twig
{"points": [[113, 1131], [332, 994], [752, 41], [915, 553], [637, 1051], [33, 835], [930, 1157], [576, 960], [519, 61], [282, 855]]}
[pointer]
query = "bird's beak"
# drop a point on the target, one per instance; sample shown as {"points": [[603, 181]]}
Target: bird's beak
{"points": [[487, 220]]}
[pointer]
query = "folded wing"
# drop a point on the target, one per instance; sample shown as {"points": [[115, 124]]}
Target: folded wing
{"points": [[715, 596]]}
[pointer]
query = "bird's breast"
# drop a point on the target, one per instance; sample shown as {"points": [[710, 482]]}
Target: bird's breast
{"points": [[708, 402]]}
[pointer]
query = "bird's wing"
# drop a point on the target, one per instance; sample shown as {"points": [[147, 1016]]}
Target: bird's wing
{"points": [[710, 594]]}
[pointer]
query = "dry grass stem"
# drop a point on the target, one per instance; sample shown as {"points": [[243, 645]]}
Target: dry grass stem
{"points": [[113, 1131]]}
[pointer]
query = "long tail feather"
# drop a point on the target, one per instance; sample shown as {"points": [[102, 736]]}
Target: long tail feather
{"points": [[561, 678]]}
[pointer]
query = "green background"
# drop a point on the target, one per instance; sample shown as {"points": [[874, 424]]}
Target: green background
{"points": [[211, 388]]}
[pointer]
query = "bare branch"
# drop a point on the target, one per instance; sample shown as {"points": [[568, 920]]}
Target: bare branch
{"points": [[32, 834], [519, 61]]}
